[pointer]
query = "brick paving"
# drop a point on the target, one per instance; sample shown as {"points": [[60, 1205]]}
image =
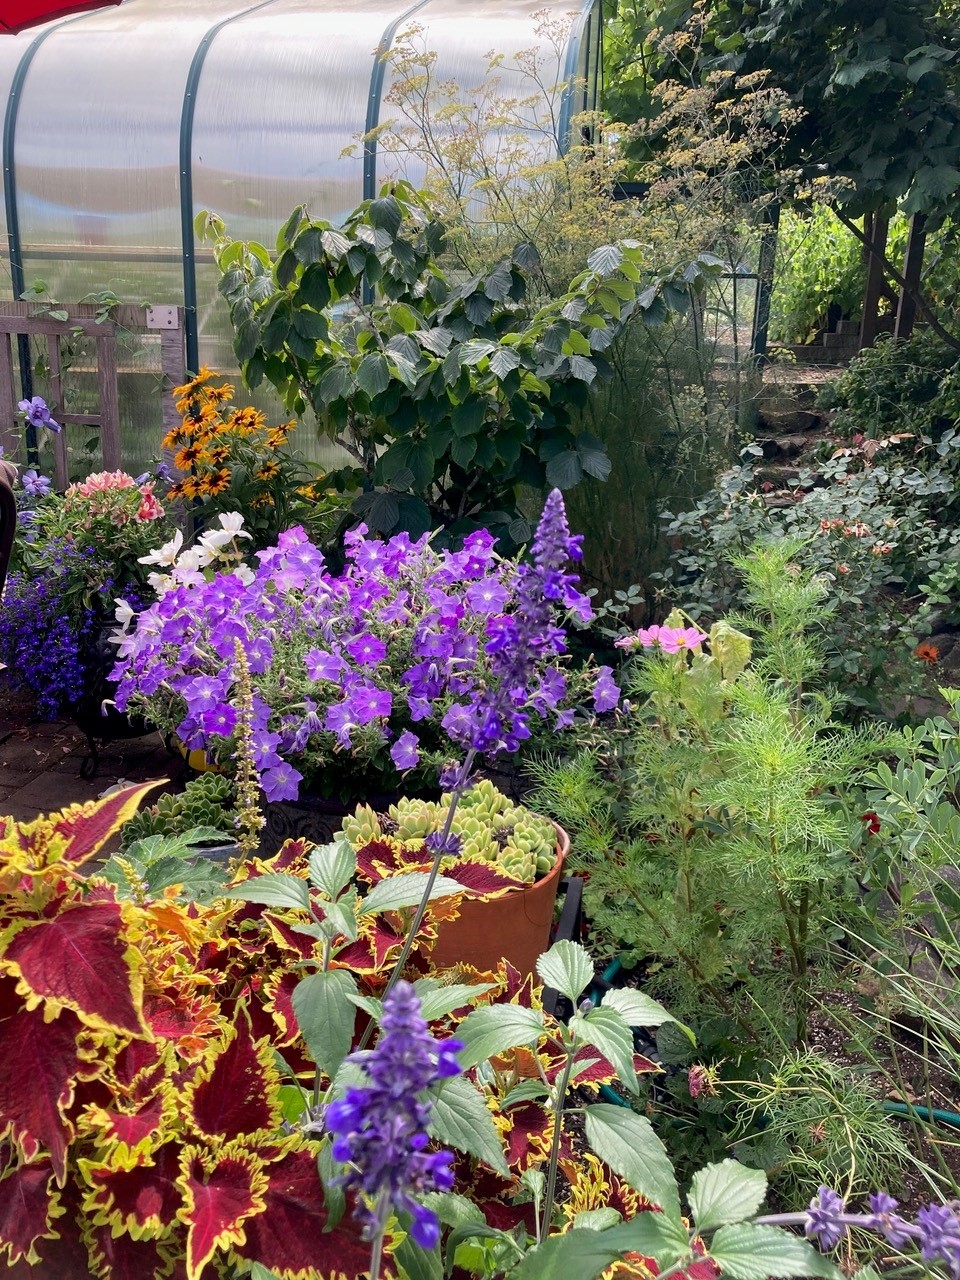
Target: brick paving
{"points": [[40, 762]]}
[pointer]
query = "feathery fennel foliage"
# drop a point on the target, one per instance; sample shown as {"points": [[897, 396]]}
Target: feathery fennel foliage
{"points": [[717, 843]]}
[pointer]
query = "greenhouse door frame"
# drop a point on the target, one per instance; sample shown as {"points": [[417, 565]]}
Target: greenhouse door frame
{"points": [[20, 319]]}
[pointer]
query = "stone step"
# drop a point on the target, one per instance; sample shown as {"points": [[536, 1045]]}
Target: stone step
{"points": [[779, 447], [793, 421]]}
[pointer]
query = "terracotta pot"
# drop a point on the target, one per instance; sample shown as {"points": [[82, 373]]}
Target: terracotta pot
{"points": [[515, 927]]}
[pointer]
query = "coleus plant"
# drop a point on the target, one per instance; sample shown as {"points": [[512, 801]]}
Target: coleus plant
{"points": [[140, 1098]]}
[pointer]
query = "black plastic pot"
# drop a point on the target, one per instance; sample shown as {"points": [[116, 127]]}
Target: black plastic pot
{"points": [[93, 713]]}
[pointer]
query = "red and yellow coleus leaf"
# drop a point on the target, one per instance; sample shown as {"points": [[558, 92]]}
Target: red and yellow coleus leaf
{"points": [[125, 1258], [221, 1191], [140, 1199], [235, 1093], [29, 1207], [79, 959], [289, 1238], [71, 838], [40, 1064]]}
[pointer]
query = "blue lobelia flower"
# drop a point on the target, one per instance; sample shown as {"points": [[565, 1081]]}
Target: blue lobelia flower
{"points": [[381, 1129]]}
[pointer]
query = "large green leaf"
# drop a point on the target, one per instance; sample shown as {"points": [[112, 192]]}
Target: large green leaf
{"points": [[492, 1030], [398, 892], [564, 470], [462, 1119], [582, 1254], [630, 1147], [373, 374], [326, 1015], [567, 968], [748, 1252], [605, 259], [437, 1001], [272, 890], [414, 1263], [386, 214], [636, 1009], [332, 867], [726, 1192], [606, 1030]]}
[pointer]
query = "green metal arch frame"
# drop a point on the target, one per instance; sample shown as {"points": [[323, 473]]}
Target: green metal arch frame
{"points": [[191, 328]]}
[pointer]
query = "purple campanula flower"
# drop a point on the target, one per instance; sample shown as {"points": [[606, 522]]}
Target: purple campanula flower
{"points": [[34, 484], [221, 719], [321, 665], [381, 1129], [163, 473], [366, 649], [37, 413], [281, 782], [487, 596], [404, 753], [606, 691], [824, 1222]]}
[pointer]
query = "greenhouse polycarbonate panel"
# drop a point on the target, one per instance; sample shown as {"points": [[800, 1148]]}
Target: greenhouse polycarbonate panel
{"points": [[96, 148], [11, 51], [463, 35], [283, 92]]}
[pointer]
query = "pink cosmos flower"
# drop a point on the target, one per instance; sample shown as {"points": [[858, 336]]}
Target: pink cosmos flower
{"points": [[676, 639]]}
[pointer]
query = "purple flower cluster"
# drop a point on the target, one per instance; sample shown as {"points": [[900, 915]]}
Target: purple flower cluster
{"points": [[381, 1129], [43, 647], [936, 1231], [37, 414], [406, 651]]}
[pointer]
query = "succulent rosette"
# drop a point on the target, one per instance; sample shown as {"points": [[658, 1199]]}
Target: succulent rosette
{"points": [[359, 676]]}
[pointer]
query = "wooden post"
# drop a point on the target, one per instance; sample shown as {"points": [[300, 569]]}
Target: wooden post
{"points": [[60, 461], [8, 400], [912, 268], [109, 403], [875, 280]]}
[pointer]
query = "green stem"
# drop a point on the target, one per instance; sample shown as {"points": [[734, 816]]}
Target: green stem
{"points": [[551, 1187], [424, 897]]}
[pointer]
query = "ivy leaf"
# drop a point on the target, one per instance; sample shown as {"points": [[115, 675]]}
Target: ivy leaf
{"points": [[749, 1252], [499, 282], [272, 890], [606, 1030], [568, 969], [308, 246], [726, 1192], [326, 1016], [628, 1144], [462, 1119], [605, 259], [380, 510], [489, 1031], [334, 384], [564, 470]]}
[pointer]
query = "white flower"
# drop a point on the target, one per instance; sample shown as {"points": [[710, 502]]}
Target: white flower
{"points": [[195, 558], [167, 554], [214, 539], [245, 574], [124, 615], [232, 523], [160, 582]]}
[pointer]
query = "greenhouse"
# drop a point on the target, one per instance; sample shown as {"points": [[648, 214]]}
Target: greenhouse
{"points": [[480, 640], [165, 108]]}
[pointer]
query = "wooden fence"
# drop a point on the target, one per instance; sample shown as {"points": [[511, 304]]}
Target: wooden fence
{"points": [[23, 318]]}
